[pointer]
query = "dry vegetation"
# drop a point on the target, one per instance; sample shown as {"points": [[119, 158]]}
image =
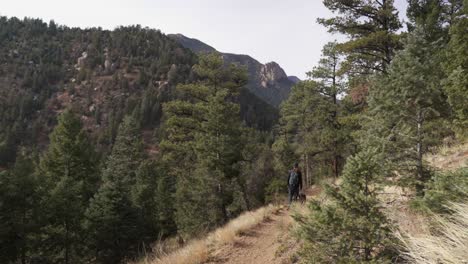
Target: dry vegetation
{"points": [[431, 239], [447, 244], [396, 202], [198, 251], [450, 157]]}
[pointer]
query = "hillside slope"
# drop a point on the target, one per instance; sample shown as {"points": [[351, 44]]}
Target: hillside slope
{"points": [[258, 237], [102, 75], [270, 240]]}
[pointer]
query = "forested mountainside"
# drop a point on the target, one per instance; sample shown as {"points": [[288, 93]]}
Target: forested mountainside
{"points": [[103, 75], [112, 141], [267, 81], [102, 133]]}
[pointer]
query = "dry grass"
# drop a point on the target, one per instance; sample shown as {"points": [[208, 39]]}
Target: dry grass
{"points": [[435, 239], [449, 157], [241, 224], [195, 252], [396, 201], [448, 244], [198, 251]]}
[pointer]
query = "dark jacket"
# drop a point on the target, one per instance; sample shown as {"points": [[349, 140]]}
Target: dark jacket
{"points": [[299, 174]]}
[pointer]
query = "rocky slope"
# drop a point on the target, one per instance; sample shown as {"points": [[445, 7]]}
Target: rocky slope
{"points": [[267, 81]]}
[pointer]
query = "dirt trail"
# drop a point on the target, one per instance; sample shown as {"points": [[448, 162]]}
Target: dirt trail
{"points": [[269, 242]]}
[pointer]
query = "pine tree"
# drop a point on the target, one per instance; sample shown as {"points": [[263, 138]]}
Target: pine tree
{"points": [[113, 221], [152, 196], [19, 212], [258, 169], [202, 145], [407, 109], [350, 228], [329, 77], [456, 68], [371, 27], [435, 16], [427, 14], [165, 203], [68, 169], [311, 117]]}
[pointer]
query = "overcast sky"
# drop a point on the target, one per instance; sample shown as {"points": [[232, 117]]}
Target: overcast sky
{"points": [[284, 31]]}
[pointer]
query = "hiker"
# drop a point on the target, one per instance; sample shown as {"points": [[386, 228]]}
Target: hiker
{"points": [[294, 183]]}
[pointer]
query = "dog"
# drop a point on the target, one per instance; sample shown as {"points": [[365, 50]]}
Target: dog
{"points": [[302, 197]]}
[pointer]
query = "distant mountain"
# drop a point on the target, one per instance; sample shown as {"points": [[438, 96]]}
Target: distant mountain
{"points": [[267, 81], [194, 44], [294, 79]]}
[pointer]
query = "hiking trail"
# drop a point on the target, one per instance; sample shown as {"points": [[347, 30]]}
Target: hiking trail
{"points": [[269, 242]]}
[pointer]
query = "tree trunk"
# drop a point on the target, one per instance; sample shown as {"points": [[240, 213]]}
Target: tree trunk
{"points": [[307, 170], [23, 232], [419, 150], [66, 242]]}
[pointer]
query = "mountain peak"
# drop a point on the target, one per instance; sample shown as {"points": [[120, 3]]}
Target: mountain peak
{"points": [[271, 72], [267, 81], [191, 43]]}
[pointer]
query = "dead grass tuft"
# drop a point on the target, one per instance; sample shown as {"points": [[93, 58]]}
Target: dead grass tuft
{"points": [[448, 244], [193, 253]]}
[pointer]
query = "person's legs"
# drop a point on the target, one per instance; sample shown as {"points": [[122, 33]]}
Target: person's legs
{"points": [[290, 195], [296, 194]]}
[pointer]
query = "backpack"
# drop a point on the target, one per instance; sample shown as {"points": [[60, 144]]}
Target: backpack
{"points": [[293, 179]]}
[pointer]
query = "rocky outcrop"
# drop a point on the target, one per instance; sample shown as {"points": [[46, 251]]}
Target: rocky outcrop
{"points": [[81, 60], [271, 73], [267, 81]]}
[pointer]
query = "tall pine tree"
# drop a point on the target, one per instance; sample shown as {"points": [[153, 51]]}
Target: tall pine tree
{"points": [[19, 212], [407, 108], [69, 172], [203, 145], [311, 117], [113, 221], [371, 27], [331, 86], [456, 68]]}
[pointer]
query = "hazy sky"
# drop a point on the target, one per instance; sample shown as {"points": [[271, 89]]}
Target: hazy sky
{"points": [[284, 31]]}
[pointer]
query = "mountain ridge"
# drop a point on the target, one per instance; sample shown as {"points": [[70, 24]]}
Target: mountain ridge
{"points": [[267, 81]]}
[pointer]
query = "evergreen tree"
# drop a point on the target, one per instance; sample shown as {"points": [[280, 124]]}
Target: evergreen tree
{"points": [[407, 109], [165, 203], [113, 221], [371, 27], [152, 195], [350, 228], [311, 117], [68, 170], [329, 77], [305, 116], [257, 169], [19, 211], [203, 145], [456, 68], [434, 16]]}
